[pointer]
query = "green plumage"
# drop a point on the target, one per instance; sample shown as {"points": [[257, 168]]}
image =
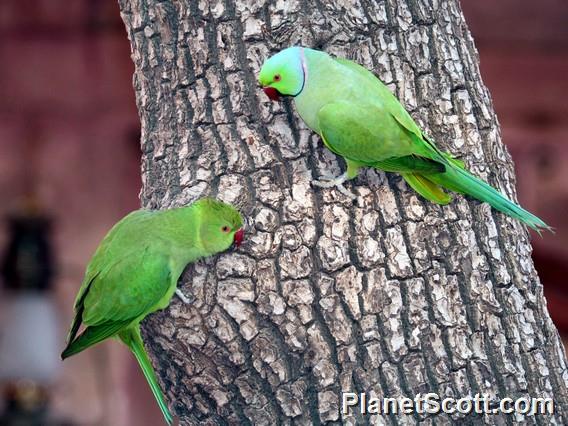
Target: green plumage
{"points": [[359, 119], [135, 270]]}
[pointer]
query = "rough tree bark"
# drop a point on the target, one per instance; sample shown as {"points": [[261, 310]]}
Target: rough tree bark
{"points": [[391, 294]]}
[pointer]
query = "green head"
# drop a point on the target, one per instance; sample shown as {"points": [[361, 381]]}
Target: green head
{"points": [[220, 225], [283, 74]]}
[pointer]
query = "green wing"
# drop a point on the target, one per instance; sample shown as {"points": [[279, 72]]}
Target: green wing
{"points": [[456, 178], [369, 134], [93, 335], [410, 164], [128, 288], [124, 233], [416, 158], [118, 294], [127, 274], [394, 108], [389, 101]]}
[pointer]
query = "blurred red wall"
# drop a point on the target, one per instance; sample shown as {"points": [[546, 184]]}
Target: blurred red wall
{"points": [[69, 134]]}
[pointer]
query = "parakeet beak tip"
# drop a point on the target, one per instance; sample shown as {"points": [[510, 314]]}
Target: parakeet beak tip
{"points": [[272, 93], [239, 237]]}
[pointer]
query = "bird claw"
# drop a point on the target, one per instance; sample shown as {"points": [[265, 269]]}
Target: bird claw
{"points": [[346, 192], [337, 182], [186, 300], [329, 177]]}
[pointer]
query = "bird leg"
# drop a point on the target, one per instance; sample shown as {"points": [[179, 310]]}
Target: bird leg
{"points": [[183, 297], [330, 182]]}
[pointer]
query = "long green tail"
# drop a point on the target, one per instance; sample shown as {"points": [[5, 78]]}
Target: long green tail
{"points": [[460, 180], [131, 337]]}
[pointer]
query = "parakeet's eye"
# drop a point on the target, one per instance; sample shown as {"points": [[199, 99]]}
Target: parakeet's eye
{"points": [[225, 228], [277, 77]]}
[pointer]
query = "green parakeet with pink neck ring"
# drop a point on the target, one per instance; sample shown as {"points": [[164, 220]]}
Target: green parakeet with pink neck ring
{"points": [[135, 271], [359, 119]]}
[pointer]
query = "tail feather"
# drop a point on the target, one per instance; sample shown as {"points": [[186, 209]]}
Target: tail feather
{"points": [[91, 336], [131, 337], [426, 188], [456, 178], [459, 180]]}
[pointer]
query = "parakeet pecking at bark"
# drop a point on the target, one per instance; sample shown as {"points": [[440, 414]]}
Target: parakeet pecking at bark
{"points": [[359, 119], [135, 270]]}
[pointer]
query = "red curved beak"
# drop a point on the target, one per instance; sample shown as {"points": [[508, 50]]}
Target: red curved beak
{"points": [[272, 93], [239, 237]]}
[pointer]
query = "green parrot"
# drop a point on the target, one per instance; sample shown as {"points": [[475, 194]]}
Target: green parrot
{"points": [[135, 270], [359, 119]]}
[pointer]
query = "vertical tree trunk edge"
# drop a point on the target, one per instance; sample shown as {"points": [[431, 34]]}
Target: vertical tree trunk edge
{"points": [[392, 296]]}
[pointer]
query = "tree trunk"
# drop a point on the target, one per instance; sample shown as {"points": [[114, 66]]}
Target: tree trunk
{"points": [[390, 295]]}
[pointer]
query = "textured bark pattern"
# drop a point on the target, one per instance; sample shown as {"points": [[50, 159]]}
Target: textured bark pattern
{"points": [[391, 294]]}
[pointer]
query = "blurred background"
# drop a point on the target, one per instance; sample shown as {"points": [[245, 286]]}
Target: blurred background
{"points": [[69, 169]]}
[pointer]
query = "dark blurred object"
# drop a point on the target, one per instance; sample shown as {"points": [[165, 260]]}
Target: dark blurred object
{"points": [[28, 263], [553, 270], [28, 337], [26, 404]]}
